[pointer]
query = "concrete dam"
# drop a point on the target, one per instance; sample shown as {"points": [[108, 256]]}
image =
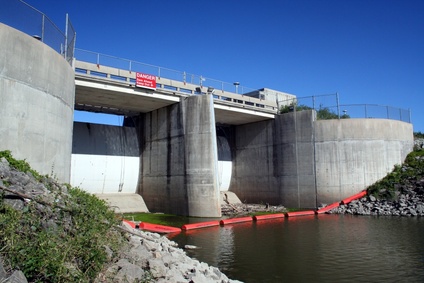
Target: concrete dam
{"points": [[179, 148]]}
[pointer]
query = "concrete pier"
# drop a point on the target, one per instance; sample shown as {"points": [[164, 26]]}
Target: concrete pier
{"points": [[179, 158]]}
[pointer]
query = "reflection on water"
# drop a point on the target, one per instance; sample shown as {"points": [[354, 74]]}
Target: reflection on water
{"points": [[325, 248]]}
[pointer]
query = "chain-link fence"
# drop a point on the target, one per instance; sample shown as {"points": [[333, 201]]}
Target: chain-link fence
{"points": [[328, 107], [23, 17]]}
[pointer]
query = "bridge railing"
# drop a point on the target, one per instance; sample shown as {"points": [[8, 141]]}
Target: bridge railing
{"points": [[166, 85], [135, 66], [23, 17], [328, 107]]}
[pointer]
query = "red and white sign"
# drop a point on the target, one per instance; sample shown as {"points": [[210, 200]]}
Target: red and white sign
{"points": [[145, 80]]}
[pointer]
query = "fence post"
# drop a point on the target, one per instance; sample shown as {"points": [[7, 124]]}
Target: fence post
{"points": [[338, 105], [42, 28], [98, 59], [66, 37]]}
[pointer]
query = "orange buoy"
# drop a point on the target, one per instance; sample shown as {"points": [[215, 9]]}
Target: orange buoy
{"points": [[354, 197], [300, 213], [200, 225], [235, 220], [328, 207], [268, 216]]}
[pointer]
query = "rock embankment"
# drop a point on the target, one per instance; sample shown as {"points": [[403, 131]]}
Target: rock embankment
{"points": [[143, 257], [149, 256], [407, 205]]}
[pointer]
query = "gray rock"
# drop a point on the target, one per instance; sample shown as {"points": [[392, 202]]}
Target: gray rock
{"points": [[190, 247], [3, 273], [17, 277], [129, 273]]}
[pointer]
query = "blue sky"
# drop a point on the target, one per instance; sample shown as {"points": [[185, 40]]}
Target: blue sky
{"points": [[368, 51]]}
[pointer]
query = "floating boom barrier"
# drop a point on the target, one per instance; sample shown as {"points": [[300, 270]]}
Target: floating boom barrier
{"points": [[169, 229]]}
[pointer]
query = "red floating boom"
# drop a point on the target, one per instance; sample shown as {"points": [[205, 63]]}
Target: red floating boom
{"points": [[235, 220], [328, 207], [300, 213], [158, 228], [354, 197], [200, 225], [268, 216]]}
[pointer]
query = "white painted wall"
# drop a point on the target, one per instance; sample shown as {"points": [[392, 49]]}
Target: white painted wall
{"points": [[224, 175], [104, 174]]}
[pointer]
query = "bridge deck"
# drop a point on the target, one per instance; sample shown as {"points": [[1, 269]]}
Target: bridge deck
{"points": [[113, 91]]}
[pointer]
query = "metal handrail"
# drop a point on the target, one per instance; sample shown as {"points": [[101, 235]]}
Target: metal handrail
{"points": [[87, 70], [133, 65]]}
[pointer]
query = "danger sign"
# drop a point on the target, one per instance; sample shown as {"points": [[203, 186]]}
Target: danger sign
{"points": [[145, 80]]}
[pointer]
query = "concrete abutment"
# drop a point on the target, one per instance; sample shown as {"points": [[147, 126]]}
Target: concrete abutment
{"points": [[37, 92]]}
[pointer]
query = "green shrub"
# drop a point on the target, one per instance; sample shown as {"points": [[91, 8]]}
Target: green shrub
{"points": [[412, 169]]}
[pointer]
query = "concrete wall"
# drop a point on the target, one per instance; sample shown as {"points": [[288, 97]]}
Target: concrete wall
{"points": [[179, 158], [37, 91], [105, 159], [299, 162], [352, 154], [273, 161]]}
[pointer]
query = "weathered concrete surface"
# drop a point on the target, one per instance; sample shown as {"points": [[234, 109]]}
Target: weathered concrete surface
{"points": [[273, 161], [125, 203], [352, 154], [201, 155], [37, 91], [179, 158], [298, 161]]}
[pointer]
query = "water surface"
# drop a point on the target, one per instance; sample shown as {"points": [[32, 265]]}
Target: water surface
{"points": [[324, 248]]}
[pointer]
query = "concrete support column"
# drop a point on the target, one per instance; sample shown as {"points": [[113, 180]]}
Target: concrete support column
{"points": [[201, 157], [179, 159]]}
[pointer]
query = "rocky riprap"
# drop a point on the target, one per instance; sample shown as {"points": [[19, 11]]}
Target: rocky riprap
{"points": [[152, 256], [408, 204], [144, 256]]}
